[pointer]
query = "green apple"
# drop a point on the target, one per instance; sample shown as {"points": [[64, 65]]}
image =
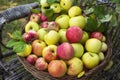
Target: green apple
{"points": [[56, 7], [78, 49], [93, 45], [44, 3], [90, 60], [62, 33], [27, 51], [75, 66], [52, 37], [104, 47], [78, 21], [66, 4], [41, 33], [63, 21], [74, 11], [101, 56], [31, 26], [85, 37], [104, 38]]}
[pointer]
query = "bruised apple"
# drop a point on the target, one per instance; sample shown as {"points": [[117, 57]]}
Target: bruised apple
{"points": [[31, 59]]}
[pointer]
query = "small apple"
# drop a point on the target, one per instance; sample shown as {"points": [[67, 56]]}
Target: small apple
{"points": [[63, 21], [74, 11], [104, 38], [43, 3], [101, 56], [49, 53], [85, 37], [65, 51], [41, 64], [75, 66], [90, 60], [57, 68], [44, 24], [52, 37], [53, 26], [37, 47], [66, 4], [93, 45], [27, 51], [56, 7], [26, 37], [78, 21], [78, 49], [43, 17], [74, 34], [41, 33], [97, 35], [62, 33], [31, 25], [31, 58], [104, 47], [35, 18]]}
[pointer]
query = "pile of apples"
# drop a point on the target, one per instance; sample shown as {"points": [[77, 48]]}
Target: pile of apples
{"points": [[62, 47]]}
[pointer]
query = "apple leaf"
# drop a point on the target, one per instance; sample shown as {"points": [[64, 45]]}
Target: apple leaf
{"points": [[52, 1], [37, 11], [17, 35], [11, 43], [49, 13], [106, 18], [118, 8], [88, 11]]}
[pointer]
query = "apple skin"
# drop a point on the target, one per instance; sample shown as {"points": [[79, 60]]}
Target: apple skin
{"points": [[31, 58], [26, 37], [35, 18], [85, 37], [41, 33], [78, 49], [41, 64], [27, 51], [63, 21], [65, 51], [101, 56], [104, 47], [104, 38], [66, 4], [93, 45], [75, 66], [74, 34], [31, 25], [62, 33], [52, 37], [74, 11], [45, 24], [53, 26], [37, 47], [57, 68], [56, 7], [78, 21], [90, 60], [43, 17], [44, 3], [49, 53], [97, 35]]}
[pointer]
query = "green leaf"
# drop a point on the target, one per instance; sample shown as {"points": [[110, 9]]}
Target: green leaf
{"points": [[35, 11], [19, 46], [115, 1], [17, 35], [49, 13], [11, 43], [118, 8], [101, 28], [106, 18], [52, 1], [88, 11]]}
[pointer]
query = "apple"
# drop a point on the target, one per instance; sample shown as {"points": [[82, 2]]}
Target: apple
{"points": [[104, 47], [56, 7], [85, 37], [41, 64], [27, 51], [93, 45], [44, 3], [26, 37], [65, 51], [31, 25], [57, 68], [63, 21], [78, 49], [74, 11], [31, 58], [97, 35], [37, 47], [78, 21], [41, 33], [53, 26], [44, 24], [101, 56], [75, 66], [74, 34], [66, 4], [90, 60], [49, 53], [52, 37], [35, 17], [104, 38], [62, 33]]}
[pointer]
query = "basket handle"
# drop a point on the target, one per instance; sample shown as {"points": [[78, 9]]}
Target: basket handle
{"points": [[13, 14]]}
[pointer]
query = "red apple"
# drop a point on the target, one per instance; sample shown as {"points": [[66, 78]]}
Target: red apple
{"points": [[37, 47], [31, 59], [33, 34], [43, 17], [74, 34], [41, 64], [97, 35], [35, 18], [49, 53], [57, 68], [26, 37], [45, 24], [53, 26], [65, 51]]}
